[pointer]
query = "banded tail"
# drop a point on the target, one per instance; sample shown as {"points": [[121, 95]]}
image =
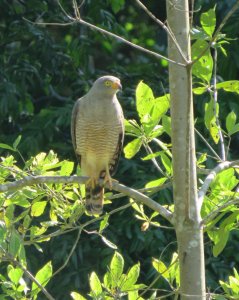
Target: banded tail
{"points": [[94, 199]]}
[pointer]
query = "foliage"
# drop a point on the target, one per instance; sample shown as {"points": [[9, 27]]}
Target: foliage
{"points": [[43, 71]]}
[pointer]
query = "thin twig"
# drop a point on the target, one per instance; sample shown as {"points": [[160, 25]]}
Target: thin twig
{"points": [[136, 195], [78, 19], [154, 161], [221, 167], [168, 31], [70, 254], [208, 145]]}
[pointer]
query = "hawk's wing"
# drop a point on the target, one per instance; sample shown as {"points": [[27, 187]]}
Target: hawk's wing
{"points": [[75, 112], [115, 159]]}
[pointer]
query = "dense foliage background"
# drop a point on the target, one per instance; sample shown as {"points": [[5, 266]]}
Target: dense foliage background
{"points": [[44, 69]]}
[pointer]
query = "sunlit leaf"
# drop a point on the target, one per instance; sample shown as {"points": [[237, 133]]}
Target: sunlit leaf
{"points": [[156, 183], [131, 277], [14, 274], [208, 21], [231, 121], [166, 122], [95, 284], [203, 67], [104, 223], [38, 208], [144, 101], [132, 127], [229, 86], [42, 276], [116, 267], [77, 296], [132, 148], [161, 268]]}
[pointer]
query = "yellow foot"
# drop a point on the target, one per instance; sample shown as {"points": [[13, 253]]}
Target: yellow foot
{"points": [[109, 180], [91, 182]]}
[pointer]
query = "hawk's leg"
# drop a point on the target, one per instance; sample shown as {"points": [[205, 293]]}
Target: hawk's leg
{"points": [[108, 179], [91, 182]]}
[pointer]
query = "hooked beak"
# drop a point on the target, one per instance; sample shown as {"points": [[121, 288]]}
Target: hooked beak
{"points": [[116, 85]]}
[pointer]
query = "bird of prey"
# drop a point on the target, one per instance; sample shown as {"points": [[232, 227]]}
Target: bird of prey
{"points": [[97, 130]]}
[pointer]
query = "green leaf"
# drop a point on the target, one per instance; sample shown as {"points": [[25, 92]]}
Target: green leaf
{"points": [[77, 296], [151, 155], [166, 122], [208, 21], [38, 208], [203, 67], [104, 223], [7, 147], [229, 86], [16, 142], [133, 295], [131, 277], [95, 284], [221, 242], [15, 243], [161, 268], [156, 183], [166, 162], [42, 276], [200, 90], [3, 232], [210, 119], [116, 268], [116, 5], [160, 106], [144, 101], [132, 148], [67, 168], [231, 121], [14, 274], [132, 127]]}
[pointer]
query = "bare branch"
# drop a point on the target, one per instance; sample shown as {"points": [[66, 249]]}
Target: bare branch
{"points": [[136, 195], [208, 145], [78, 19], [121, 39], [221, 167], [168, 31]]}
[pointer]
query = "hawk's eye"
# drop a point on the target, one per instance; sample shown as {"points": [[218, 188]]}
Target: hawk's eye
{"points": [[107, 83]]}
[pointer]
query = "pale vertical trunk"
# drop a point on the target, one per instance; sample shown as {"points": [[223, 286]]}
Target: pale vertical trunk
{"points": [[187, 215]]}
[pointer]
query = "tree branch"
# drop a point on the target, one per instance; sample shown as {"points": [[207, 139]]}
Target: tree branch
{"points": [[211, 176], [166, 28], [136, 195], [78, 19]]}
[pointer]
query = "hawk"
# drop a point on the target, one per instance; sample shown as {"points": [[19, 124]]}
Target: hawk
{"points": [[97, 130]]}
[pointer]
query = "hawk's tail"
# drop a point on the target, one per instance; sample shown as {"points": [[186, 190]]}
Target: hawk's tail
{"points": [[94, 199]]}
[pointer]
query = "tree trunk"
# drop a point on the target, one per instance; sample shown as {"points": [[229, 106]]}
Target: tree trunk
{"points": [[187, 214]]}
